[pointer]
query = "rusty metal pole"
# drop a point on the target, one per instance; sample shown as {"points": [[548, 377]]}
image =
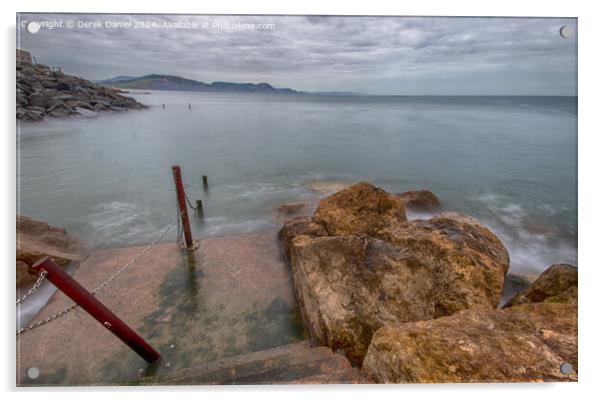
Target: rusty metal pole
{"points": [[95, 308], [177, 177]]}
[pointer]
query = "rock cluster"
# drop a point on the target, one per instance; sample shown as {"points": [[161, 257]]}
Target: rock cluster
{"points": [[416, 301], [36, 239], [519, 344], [358, 265], [43, 91]]}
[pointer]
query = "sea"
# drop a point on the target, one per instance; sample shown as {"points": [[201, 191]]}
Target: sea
{"points": [[511, 162]]}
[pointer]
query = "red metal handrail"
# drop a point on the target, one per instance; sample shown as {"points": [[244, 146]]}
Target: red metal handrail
{"points": [[86, 300]]}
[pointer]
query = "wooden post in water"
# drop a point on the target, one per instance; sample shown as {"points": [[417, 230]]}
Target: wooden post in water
{"points": [[205, 183], [199, 208], [177, 177]]}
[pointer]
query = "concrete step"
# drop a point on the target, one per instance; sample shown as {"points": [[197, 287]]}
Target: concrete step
{"points": [[295, 363]]}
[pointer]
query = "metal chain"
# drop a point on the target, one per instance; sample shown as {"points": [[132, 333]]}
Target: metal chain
{"points": [[46, 320], [133, 260], [188, 201], [102, 286], [180, 229], [34, 288]]}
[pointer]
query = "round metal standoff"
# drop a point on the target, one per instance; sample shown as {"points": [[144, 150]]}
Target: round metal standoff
{"points": [[566, 31], [33, 373], [566, 368], [107, 325]]}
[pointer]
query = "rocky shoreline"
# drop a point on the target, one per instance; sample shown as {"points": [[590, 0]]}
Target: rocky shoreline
{"points": [[404, 301], [417, 301], [44, 91]]}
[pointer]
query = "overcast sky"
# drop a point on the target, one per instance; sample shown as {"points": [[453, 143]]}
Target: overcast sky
{"points": [[376, 55]]}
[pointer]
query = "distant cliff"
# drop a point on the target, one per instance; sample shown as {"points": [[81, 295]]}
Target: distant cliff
{"points": [[172, 82]]}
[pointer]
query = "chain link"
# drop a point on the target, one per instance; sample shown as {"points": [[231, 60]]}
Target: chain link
{"points": [[106, 283], [133, 260], [34, 288], [189, 203], [47, 320]]}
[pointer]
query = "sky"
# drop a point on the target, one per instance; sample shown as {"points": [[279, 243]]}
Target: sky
{"points": [[371, 55]]}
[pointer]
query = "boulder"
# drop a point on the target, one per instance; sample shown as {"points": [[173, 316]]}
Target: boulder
{"points": [[361, 208], [468, 261], [49, 82], [38, 99], [557, 284], [60, 110], [79, 104], [520, 344], [420, 200], [36, 239], [298, 226], [349, 286], [66, 83], [291, 208]]}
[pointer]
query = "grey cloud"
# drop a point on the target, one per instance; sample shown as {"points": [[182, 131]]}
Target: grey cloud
{"points": [[388, 55]]}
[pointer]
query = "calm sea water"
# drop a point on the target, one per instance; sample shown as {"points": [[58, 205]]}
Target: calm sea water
{"points": [[509, 161]]}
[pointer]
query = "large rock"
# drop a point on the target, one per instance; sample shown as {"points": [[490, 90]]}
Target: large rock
{"points": [[524, 343], [349, 286], [420, 200], [376, 269], [468, 261], [38, 99], [361, 208], [298, 226], [36, 239], [291, 209], [557, 284]]}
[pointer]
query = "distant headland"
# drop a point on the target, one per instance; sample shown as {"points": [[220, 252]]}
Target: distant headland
{"points": [[173, 82]]}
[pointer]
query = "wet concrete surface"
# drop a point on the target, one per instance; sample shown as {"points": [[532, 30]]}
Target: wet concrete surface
{"points": [[232, 296]]}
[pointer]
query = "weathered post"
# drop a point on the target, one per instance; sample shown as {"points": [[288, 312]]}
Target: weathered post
{"points": [[199, 208], [177, 177], [205, 183], [86, 300]]}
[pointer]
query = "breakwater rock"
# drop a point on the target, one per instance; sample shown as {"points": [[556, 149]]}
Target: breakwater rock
{"points": [[359, 265], [557, 284], [36, 239], [524, 343], [417, 301], [44, 91], [420, 200]]}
